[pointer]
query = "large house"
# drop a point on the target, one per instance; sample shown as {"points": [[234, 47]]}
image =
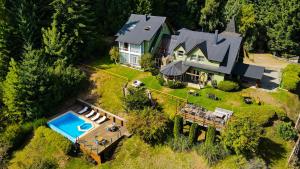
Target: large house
{"points": [[197, 58], [141, 34]]}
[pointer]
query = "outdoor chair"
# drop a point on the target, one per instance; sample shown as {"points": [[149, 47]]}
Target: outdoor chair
{"points": [[83, 110], [90, 114], [101, 120], [96, 117]]}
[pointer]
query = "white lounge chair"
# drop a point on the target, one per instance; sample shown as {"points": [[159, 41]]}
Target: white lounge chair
{"points": [[83, 110], [90, 114], [101, 120], [96, 117]]}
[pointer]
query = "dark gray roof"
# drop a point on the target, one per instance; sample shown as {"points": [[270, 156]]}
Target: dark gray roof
{"points": [[174, 69], [249, 71], [134, 30], [225, 50]]}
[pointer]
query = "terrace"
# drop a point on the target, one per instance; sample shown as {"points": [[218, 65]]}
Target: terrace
{"points": [[206, 118]]}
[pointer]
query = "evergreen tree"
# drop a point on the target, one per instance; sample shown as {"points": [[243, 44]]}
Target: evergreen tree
{"points": [[4, 52], [143, 7], [73, 23], [211, 17]]}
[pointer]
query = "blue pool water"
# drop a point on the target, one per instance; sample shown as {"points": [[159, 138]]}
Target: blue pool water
{"points": [[67, 125]]}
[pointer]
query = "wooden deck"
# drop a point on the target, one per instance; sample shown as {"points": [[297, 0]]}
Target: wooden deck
{"points": [[88, 142], [201, 121]]}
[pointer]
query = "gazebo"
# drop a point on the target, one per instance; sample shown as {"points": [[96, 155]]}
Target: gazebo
{"points": [[174, 70]]}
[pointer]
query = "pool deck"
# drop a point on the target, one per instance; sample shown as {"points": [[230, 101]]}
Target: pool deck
{"points": [[87, 141]]}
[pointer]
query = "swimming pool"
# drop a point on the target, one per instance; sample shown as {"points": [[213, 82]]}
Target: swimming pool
{"points": [[69, 125]]}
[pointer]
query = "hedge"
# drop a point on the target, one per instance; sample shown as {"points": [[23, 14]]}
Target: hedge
{"points": [[175, 84], [290, 77], [228, 86], [286, 131], [210, 135], [193, 133], [178, 126]]}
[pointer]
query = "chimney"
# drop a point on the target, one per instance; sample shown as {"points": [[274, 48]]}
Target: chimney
{"points": [[147, 17], [216, 37]]}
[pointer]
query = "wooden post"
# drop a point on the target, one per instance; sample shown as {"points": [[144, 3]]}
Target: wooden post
{"points": [[122, 123], [114, 119]]}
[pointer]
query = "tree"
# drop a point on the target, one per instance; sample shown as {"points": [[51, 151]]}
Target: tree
{"points": [[210, 135], [147, 62], [74, 22], [210, 17], [4, 51], [193, 133], [150, 124], [287, 131], [137, 99], [178, 126], [114, 54], [242, 136], [143, 7]]}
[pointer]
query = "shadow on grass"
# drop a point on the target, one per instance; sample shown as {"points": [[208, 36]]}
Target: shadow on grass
{"points": [[270, 151]]}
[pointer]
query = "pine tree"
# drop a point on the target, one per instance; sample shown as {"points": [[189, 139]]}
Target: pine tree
{"points": [[211, 17], [143, 7], [73, 23]]}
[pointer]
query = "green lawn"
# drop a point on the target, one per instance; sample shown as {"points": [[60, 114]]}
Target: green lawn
{"points": [[110, 92], [109, 87]]}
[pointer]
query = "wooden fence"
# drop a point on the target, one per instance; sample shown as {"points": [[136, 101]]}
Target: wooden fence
{"points": [[295, 151]]}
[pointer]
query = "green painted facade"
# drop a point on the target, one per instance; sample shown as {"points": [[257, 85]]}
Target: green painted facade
{"points": [[197, 56], [156, 39]]}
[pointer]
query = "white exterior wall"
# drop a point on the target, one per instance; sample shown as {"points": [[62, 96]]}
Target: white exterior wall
{"points": [[131, 55]]}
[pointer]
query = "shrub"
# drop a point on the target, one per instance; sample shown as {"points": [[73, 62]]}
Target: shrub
{"points": [[210, 135], [228, 86], [147, 62], [290, 77], [212, 152], [173, 84], [114, 54], [150, 124], [242, 136], [180, 144], [137, 99], [193, 133], [286, 131], [178, 126], [161, 80]]}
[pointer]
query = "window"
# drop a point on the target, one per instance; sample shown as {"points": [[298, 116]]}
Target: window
{"points": [[135, 48], [124, 57], [134, 60], [194, 58], [201, 58], [124, 46], [180, 53]]}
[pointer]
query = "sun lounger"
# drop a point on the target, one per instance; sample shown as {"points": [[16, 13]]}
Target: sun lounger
{"points": [[101, 120], [90, 114], [96, 117], [83, 110]]}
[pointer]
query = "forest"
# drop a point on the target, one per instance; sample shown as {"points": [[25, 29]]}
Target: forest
{"points": [[42, 40]]}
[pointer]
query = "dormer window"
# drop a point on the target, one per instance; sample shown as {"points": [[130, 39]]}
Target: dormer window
{"points": [[180, 53], [201, 58], [194, 58]]}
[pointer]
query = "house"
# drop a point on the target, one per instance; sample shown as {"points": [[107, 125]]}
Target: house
{"points": [[141, 34], [200, 58], [196, 58]]}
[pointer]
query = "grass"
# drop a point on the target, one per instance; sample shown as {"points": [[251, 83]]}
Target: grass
{"points": [[135, 154], [280, 102], [47, 145], [276, 102]]}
